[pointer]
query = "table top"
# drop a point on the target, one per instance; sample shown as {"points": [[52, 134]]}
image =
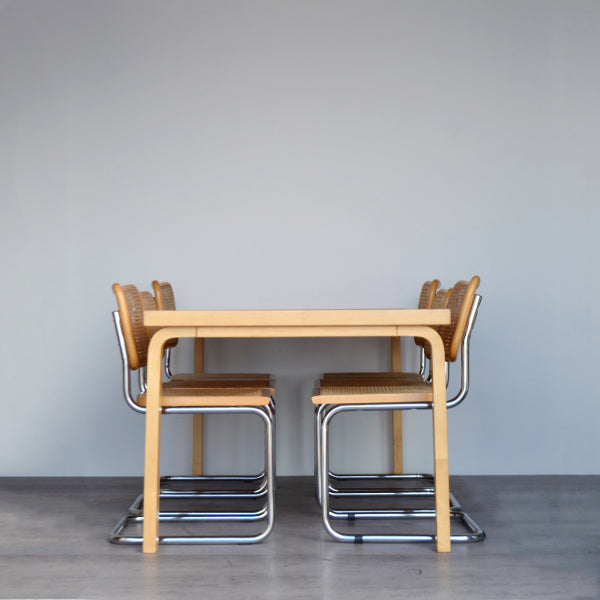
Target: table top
{"points": [[295, 318]]}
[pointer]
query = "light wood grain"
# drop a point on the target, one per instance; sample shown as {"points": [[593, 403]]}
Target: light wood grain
{"points": [[440, 441], [294, 331], [190, 397], [397, 441], [198, 420], [330, 396], [152, 443], [296, 318]]}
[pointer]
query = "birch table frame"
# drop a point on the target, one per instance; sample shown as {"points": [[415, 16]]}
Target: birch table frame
{"points": [[391, 323]]}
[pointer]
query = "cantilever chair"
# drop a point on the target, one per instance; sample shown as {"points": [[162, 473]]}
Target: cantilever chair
{"points": [[395, 391], [188, 396]]}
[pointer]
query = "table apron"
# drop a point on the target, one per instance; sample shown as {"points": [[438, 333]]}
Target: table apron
{"points": [[300, 331], [295, 332]]}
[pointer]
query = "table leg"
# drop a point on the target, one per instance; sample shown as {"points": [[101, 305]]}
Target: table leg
{"points": [[151, 482], [152, 450], [198, 425], [397, 414], [440, 451]]}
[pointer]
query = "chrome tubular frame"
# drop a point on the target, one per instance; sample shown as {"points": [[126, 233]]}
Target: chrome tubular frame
{"points": [[422, 362], [167, 363], [464, 356], [266, 512], [126, 371], [142, 379]]}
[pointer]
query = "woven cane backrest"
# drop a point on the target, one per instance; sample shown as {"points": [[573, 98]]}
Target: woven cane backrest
{"points": [[428, 292], [148, 301], [440, 300], [460, 300], [165, 300], [131, 313]]}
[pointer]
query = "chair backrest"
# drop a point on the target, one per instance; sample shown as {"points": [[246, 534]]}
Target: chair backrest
{"points": [[149, 303], [131, 313], [460, 301], [426, 298], [428, 291], [441, 298], [463, 303], [165, 300], [148, 300]]}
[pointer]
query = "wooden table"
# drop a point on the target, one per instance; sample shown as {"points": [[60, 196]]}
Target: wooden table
{"points": [[393, 323]]}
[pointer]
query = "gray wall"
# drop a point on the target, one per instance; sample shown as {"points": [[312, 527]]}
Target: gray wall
{"points": [[273, 154]]}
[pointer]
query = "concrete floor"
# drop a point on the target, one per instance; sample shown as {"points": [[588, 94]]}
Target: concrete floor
{"points": [[543, 541]]}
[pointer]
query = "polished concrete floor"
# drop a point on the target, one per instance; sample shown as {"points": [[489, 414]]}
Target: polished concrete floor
{"points": [[543, 541]]}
